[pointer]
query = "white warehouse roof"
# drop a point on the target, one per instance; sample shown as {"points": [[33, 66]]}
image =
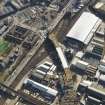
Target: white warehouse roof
{"points": [[82, 29]]}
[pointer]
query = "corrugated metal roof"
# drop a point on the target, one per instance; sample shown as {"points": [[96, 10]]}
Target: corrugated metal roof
{"points": [[82, 28], [42, 87]]}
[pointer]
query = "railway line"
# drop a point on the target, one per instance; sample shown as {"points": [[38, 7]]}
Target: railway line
{"points": [[35, 59]]}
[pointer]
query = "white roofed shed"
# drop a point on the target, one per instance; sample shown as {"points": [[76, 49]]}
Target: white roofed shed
{"points": [[84, 28]]}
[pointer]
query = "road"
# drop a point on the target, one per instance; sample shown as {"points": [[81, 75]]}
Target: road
{"points": [[26, 69], [59, 34], [31, 63], [61, 15], [37, 57], [24, 96], [29, 56]]}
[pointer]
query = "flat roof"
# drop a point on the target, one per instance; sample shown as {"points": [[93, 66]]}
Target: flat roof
{"points": [[62, 57], [81, 30]]}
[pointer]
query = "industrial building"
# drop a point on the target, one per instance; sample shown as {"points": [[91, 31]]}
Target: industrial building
{"points": [[91, 93], [17, 34], [42, 92], [41, 83], [82, 31], [39, 69]]}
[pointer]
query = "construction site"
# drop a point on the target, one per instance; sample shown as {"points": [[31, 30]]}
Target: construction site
{"points": [[52, 52]]}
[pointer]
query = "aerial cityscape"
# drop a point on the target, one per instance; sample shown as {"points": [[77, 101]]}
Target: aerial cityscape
{"points": [[52, 52]]}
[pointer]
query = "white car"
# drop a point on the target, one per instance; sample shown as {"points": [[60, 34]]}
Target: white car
{"points": [[81, 5], [75, 10]]}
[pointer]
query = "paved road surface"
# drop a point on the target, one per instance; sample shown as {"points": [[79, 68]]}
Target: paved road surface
{"points": [[34, 61]]}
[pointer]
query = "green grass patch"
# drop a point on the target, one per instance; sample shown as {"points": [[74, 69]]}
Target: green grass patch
{"points": [[5, 47]]}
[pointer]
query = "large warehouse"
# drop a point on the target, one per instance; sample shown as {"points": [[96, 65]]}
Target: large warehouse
{"points": [[83, 29]]}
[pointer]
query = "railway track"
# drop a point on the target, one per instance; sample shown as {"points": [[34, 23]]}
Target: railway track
{"points": [[32, 62], [35, 59], [26, 69]]}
